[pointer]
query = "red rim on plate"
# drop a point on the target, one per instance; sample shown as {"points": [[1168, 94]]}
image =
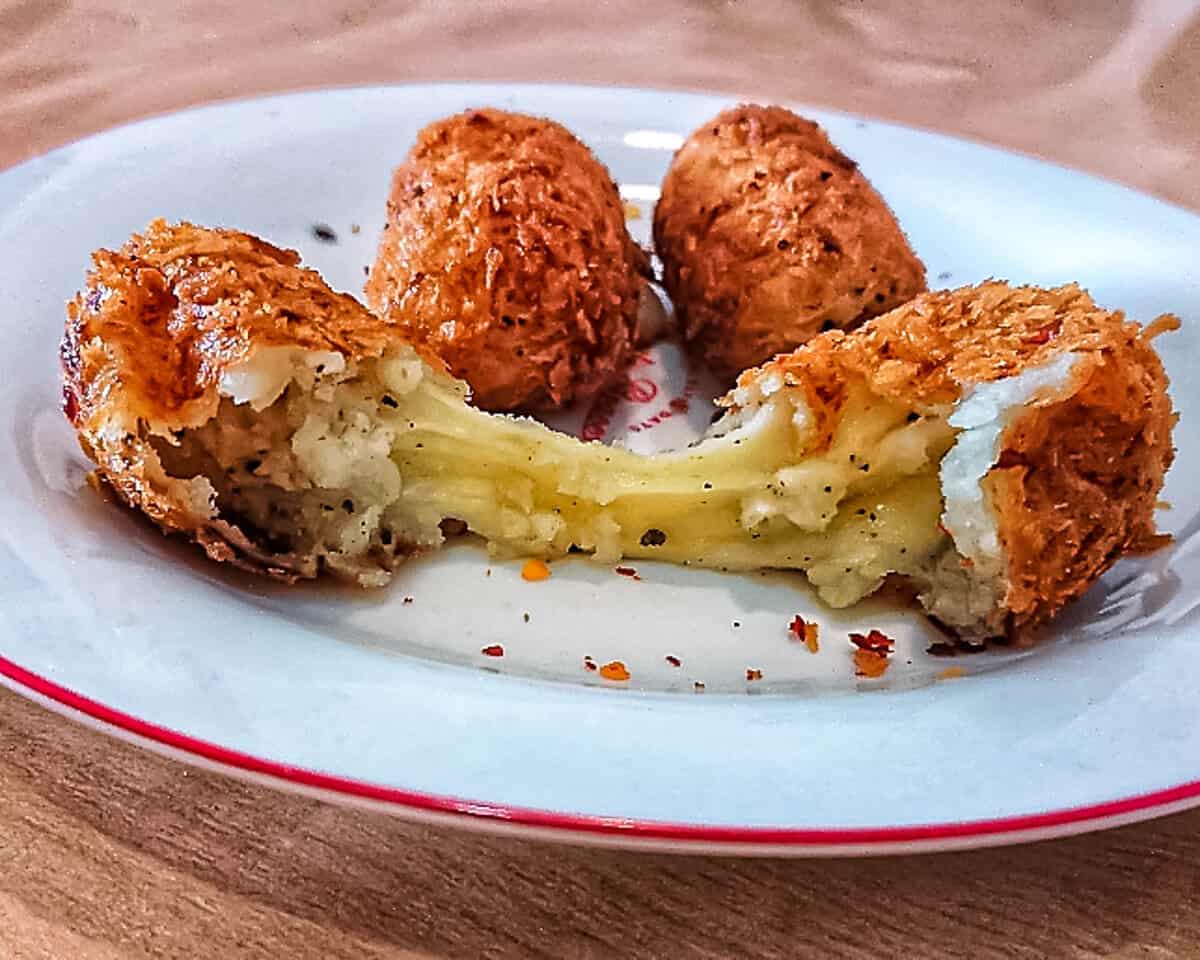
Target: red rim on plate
{"points": [[650, 832]]}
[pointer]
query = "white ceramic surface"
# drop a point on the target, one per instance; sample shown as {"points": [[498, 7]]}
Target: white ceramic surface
{"points": [[393, 701]]}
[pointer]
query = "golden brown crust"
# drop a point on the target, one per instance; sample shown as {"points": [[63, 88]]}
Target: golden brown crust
{"points": [[506, 253], [163, 317], [145, 345], [925, 352], [1077, 482], [769, 234], [1079, 475]]}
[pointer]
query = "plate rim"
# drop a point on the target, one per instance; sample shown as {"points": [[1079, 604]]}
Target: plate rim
{"points": [[492, 817], [629, 832]]}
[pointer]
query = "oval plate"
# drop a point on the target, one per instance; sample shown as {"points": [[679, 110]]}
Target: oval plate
{"points": [[386, 699]]}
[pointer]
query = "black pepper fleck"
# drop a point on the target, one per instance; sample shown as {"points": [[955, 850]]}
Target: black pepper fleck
{"points": [[324, 232]]}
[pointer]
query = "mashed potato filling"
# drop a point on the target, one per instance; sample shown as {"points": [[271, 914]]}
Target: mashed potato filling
{"points": [[359, 463]]}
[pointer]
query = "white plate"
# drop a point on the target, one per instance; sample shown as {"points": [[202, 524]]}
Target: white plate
{"points": [[368, 699]]}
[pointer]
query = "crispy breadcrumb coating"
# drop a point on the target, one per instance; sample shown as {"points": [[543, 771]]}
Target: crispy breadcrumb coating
{"points": [[506, 253], [769, 235]]}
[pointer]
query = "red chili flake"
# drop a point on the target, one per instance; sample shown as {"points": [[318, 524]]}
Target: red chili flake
{"points": [[70, 404], [806, 632], [1042, 336], [752, 674], [628, 572], [535, 570], [614, 670], [589, 664], [494, 650], [870, 663], [673, 661], [876, 642], [871, 657]]}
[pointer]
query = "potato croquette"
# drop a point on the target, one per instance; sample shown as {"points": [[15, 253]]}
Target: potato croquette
{"points": [[506, 254], [1062, 437], [769, 234], [998, 447]]}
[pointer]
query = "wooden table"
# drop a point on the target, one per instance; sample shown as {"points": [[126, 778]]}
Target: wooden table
{"points": [[109, 852]]}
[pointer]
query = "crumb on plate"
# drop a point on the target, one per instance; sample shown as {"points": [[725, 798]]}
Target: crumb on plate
{"points": [[804, 631]]}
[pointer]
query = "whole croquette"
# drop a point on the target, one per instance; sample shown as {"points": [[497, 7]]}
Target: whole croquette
{"points": [[506, 254], [769, 234]]}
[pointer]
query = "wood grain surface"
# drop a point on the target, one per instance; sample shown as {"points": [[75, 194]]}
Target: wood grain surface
{"points": [[110, 853]]}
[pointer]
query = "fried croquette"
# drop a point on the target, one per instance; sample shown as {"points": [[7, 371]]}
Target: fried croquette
{"points": [[1062, 428], [506, 253], [769, 235], [999, 447]]}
